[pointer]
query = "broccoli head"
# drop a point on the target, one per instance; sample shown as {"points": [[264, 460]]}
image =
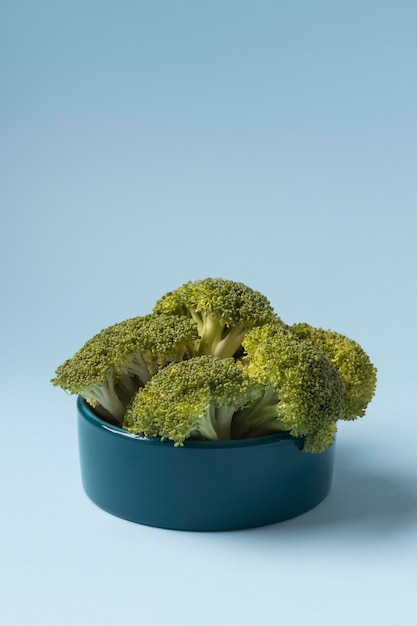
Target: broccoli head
{"points": [[196, 398], [224, 311], [303, 390], [358, 374], [110, 368], [214, 361]]}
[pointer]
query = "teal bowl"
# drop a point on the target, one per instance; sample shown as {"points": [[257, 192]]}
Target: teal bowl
{"points": [[202, 486]]}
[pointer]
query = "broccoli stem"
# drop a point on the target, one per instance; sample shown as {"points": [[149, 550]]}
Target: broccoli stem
{"points": [[126, 387], [230, 343], [105, 396], [262, 412], [267, 427], [206, 427], [210, 333], [217, 339], [223, 421]]}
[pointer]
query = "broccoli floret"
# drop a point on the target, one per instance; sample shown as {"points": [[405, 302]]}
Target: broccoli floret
{"points": [[358, 374], [196, 398], [260, 417], [224, 311], [110, 368], [214, 361], [303, 390]]}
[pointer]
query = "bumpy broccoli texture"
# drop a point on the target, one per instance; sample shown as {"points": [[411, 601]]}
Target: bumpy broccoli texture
{"points": [[196, 398], [303, 389], [112, 366], [213, 361], [351, 361], [223, 310]]}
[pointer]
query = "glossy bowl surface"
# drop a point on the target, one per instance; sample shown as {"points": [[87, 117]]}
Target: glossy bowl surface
{"points": [[202, 486]]}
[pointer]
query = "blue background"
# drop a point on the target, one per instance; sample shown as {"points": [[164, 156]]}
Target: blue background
{"points": [[146, 143]]}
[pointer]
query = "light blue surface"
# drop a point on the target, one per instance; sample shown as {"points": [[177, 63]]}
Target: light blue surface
{"points": [[148, 143]]}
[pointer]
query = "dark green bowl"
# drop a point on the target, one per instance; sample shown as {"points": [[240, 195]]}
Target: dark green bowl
{"points": [[202, 486]]}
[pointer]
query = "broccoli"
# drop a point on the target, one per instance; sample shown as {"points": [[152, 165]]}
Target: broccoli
{"points": [[196, 398], [110, 368], [224, 311], [304, 393], [214, 361], [351, 361], [260, 417]]}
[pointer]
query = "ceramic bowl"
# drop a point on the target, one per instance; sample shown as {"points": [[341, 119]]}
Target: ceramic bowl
{"points": [[203, 485]]}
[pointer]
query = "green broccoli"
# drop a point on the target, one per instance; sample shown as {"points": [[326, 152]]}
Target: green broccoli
{"points": [[303, 390], [260, 417], [358, 374], [224, 311], [110, 368], [196, 398], [213, 361]]}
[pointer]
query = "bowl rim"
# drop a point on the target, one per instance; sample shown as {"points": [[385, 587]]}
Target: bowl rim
{"points": [[88, 414]]}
